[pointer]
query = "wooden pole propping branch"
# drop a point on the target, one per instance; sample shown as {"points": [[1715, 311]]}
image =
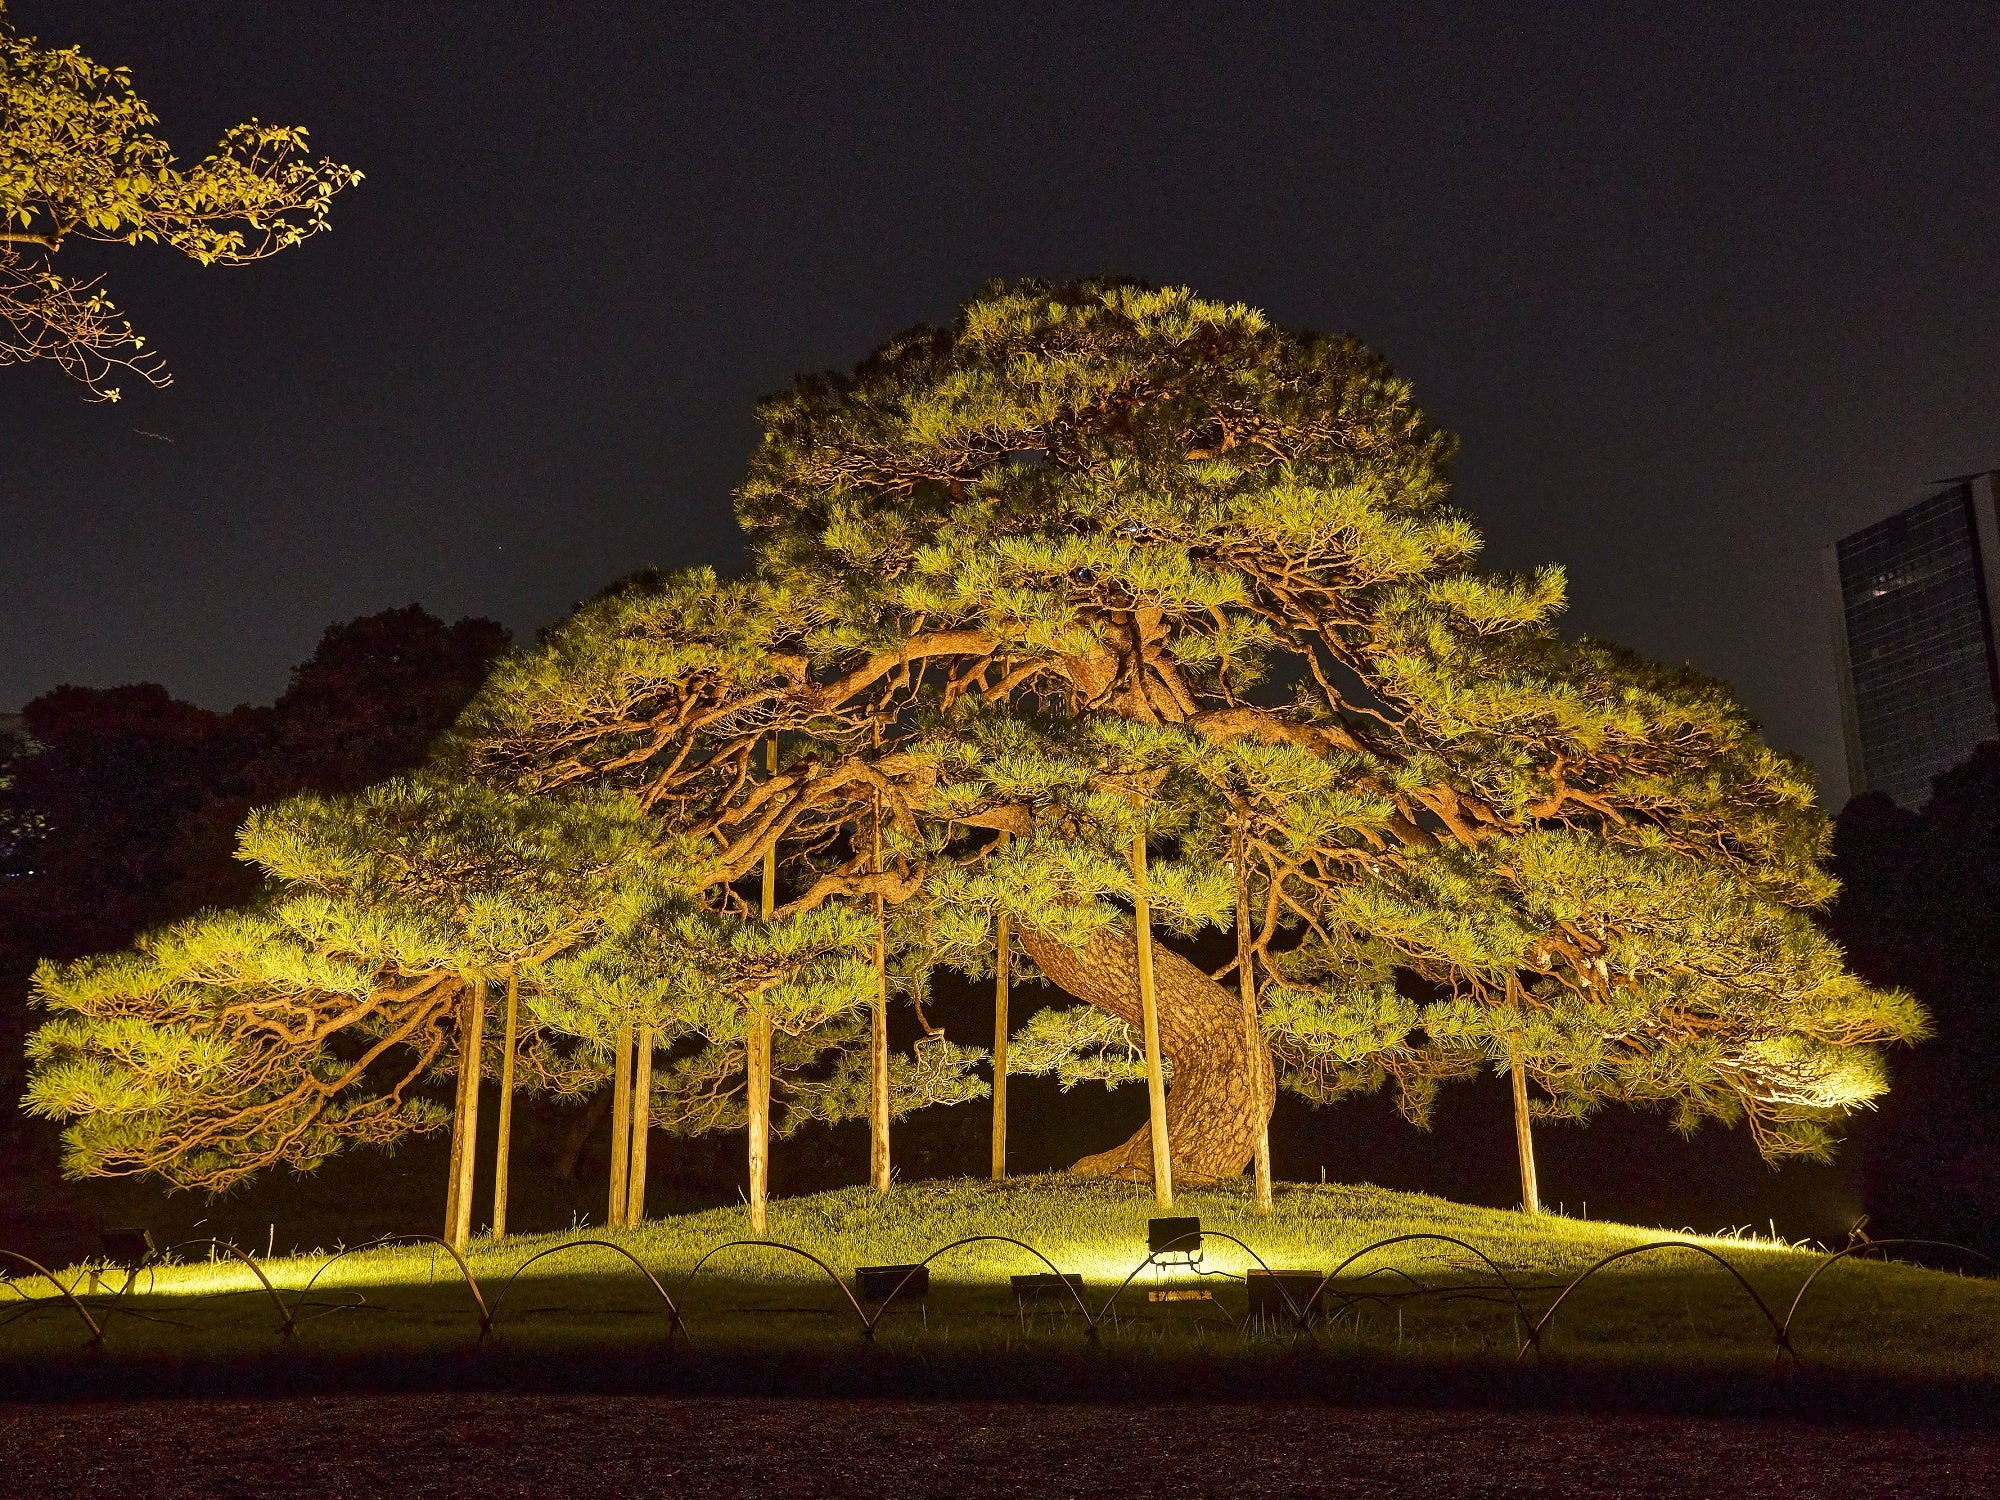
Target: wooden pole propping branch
{"points": [[503, 1145], [471, 1060], [1253, 1032], [1003, 942], [878, 1041], [1524, 1137], [642, 1123], [1149, 1011], [759, 1083], [621, 1125], [454, 1173], [757, 1059]]}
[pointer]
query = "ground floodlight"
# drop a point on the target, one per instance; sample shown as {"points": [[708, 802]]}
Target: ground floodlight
{"points": [[884, 1283], [1033, 1286], [127, 1249], [1174, 1237], [1269, 1289]]}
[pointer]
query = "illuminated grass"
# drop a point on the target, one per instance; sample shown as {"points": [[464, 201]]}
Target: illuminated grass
{"points": [[1672, 1309]]}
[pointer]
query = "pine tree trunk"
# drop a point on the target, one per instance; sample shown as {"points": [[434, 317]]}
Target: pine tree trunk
{"points": [[1212, 1118], [1000, 1025], [1160, 1134], [454, 1172], [1253, 1037], [642, 1124], [503, 1146], [472, 1050], [1524, 1139], [621, 1127]]}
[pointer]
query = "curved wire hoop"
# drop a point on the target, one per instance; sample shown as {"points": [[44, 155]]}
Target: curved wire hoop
{"points": [[1512, 1291], [673, 1313], [1326, 1287], [290, 1324], [96, 1332], [867, 1327], [1152, 1257], [464, 1270], [1831, 1260], [1777, 1329], [997, 1239]]}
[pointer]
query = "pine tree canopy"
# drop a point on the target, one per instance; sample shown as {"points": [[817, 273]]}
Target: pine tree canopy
{"points": [[1098, 562]]}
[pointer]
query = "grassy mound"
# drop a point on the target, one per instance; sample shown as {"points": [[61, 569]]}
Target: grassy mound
{"points": [[1423, 1300]]}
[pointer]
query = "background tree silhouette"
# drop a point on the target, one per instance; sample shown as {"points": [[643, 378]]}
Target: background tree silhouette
{"points": [[119, 807], [1918, 906]]}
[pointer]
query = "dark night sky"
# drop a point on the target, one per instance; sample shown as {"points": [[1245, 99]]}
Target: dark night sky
{"points": [[1698, 295]]}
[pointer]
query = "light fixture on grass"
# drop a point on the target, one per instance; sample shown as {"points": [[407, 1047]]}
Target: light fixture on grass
{"points": [[127, 1249], [1270, 1289], [892, 1283], [1062, 1287], [1179, 1238]]}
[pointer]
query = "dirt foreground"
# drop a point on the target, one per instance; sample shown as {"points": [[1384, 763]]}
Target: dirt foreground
{"points": [[499, 1445]]}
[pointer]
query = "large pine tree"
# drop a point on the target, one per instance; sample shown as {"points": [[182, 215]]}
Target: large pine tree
{"points": [[1108, 599]]}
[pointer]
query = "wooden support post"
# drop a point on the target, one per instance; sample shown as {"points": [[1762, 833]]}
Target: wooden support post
{"points": [[878, 1075], [878, 1046], [503, 1146], [1524, 1139], [1000, 1027], [621, 1126], [757, 1063], [472, 1055], [1149, 1011], [642, 1123], [1253, 1032], [454, 1172]]}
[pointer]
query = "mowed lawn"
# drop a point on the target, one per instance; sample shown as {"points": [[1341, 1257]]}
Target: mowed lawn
{"points": [[1423, 1299]]}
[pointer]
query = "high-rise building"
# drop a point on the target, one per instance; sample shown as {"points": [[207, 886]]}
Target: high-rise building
{"points": [[1915, 597]]}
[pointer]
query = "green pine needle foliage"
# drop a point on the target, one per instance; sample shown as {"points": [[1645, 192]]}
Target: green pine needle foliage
{"points": [[1097, 561]]}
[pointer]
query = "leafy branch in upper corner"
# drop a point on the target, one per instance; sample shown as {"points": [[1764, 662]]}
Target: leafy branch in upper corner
{"points": [[79, 160]]}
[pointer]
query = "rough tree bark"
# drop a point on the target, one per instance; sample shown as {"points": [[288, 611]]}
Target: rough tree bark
{"points": [[1212, 1118]]}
